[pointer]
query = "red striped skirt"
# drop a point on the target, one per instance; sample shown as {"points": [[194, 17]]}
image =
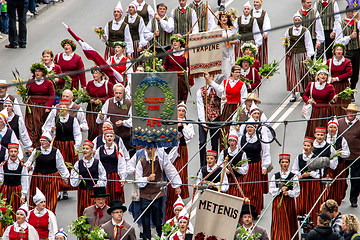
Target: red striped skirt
{"points": [[94, 128], [295, 70], [284, 219], [337, 107], [337, 189], [228, 110], [136, 54], [171, 197], [310, 192], [264, 52], [318, 113], [49, 186], [109, 51], [12, 194], [75, 84], [34, 121], [110, 188], [233, 188], [183, 91], [84, 200], [255, 191]]}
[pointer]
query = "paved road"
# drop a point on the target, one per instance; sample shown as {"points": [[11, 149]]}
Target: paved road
{"points": [[46, 32]]}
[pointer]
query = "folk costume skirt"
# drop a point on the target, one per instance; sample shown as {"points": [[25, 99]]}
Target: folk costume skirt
{"points": [[337, 189], [183, 90], [94, 128], [84, 200], [318, 112], [233, 188], [255, 191], [49, 184], [337, 109], [264, 52], [179, 163], [12, 193], [136, 54], [34, 121], [295, 70], [310, 192], [114, 188], [226, 116], [284, 219]]}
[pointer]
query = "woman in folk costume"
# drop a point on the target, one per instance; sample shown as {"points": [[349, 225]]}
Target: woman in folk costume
{"points": [[21, 230], [48, 164], [306, 201], [41, 93], [250, 49], [115, 165], [47, 58], [228, 57], [319, 94], [285, 187], [17, 124], [234, 155], [337, 190], [247, 26], [263, 21], [235, 89], [174, 61], [99, 89], [259, 155], [249, 72], [340, 70], [87, 174], [13, 178], [186, 133], [300, 50], [41, 218], [118, 58], [70, 61], [184, 229]]}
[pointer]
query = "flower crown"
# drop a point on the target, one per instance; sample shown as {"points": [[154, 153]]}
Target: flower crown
{"points": [[249, 59], [38, 66], [70, 42], [252, 47], [177, 38], [96, 68], [225, 13], [121, 44], [339, 45]]}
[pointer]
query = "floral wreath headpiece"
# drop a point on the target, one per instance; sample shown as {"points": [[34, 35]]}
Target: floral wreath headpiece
{"points": [[70, 42], [121, 44], [38, 66], [251, 46], [177, 38], [249, 59]]}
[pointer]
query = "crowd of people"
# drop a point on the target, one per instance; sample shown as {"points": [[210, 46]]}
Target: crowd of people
{"points": [[61, 160]]}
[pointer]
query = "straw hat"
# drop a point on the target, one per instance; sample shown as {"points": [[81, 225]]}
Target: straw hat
{"points": [[351, 107], [252, 96]]}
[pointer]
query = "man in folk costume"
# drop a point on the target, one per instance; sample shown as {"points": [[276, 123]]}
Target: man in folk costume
{"points": [[117, 31], [247, 25], [337, 190], [21, 229], [47, 163], [184, 19], [5, 96], [97, 213], [117, 227], [352, 42], [285, 187], [234, 155], [13, 177], [328, 7], [149, 189], [263, 21], [184, 223], [211, 173], [316, 29], [41, 218], [121, 106], [8, 135], [199, 6], [144, 10], [352, 136], [295, 68], [78, 112], [247, 216]]}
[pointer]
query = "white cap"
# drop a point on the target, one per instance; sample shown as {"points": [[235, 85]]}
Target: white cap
{"points": [[39, 197], [247, 4], [323, 70], [119, 7], [333, 121], [183, 215], [179, 203], [46, 137], [183, 106], [254, 108], [297, 15], [24, 209], [4, 115], [250, 123]]}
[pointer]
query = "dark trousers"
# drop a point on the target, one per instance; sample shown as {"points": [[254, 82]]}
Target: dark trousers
{"points": [[16, 38], [319, 51], [32, 6], [156, 212], [203, 139], [129, 146], [327, 42], [355, 183], [354, 56]]}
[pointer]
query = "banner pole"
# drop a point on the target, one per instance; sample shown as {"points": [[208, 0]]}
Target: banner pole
{"points": [[223, 173], [152, 162]]}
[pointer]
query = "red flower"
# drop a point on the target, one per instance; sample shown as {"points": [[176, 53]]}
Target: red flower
{"points": [[3, 210], [200, 236]]}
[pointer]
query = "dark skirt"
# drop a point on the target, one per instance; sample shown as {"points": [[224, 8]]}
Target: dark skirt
{"points": [[263, 52], [110, 188], [337, 189], [233, 187], [226, 113], [322, 112], [49, 186], [34, 122], [94, 128], [284, 220], [340, 103], [84, 200], [255, 191], [183, 90], [13, 195], [310, 192]]}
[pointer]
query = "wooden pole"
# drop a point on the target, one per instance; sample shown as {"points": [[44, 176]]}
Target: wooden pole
{"points": [[206, 99], [207, 6], [154, 52], [152, 162], [223, 173]]}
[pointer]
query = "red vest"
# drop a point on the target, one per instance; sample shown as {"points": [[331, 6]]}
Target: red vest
{"points": [[121, 68], [233, 95], [41, 224], [17, 236]]}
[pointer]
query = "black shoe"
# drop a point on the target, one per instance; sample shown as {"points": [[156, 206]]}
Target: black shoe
{"points": [[301, 94], [65, 196], [352, 98], [293, 99], [222, 8], [219, 2], [354, 205], [10, 46], [22, 46]]}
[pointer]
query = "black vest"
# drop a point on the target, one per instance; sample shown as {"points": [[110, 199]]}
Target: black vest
{"points": [[108, 161], [253, 150], [6, 139], [182, 141], [100, 143], [12, 180], [214, 177], [302, 164], [235, 161], [338, 146], [46, 164], [84, 173], [64, 131], [284, 181], [326, 153], [14, 124], [2, 153]]}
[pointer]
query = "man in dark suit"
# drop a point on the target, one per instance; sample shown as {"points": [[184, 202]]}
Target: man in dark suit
{"points": [[17, 38]]}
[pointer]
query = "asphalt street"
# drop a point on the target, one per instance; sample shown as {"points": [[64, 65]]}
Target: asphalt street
{"points": [[47, 31]]}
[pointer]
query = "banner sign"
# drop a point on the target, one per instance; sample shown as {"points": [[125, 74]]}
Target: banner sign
{"points": [[205, 58], [216, 214], [154, 97]]}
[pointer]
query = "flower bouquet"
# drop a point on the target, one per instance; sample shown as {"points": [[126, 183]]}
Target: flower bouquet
{"points": [[6, 214], [81, 96], [269, 70], [97, 234], [286, 42], [247, 235], [168, 229], [288, 184], [233, 14], [21, 88], [149, 63], [67, 85], [346, 93], [314, 66], [80, 228], [100, 32]]}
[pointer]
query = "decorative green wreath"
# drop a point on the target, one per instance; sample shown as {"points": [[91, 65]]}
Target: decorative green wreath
{"points": [[168, 92]]}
